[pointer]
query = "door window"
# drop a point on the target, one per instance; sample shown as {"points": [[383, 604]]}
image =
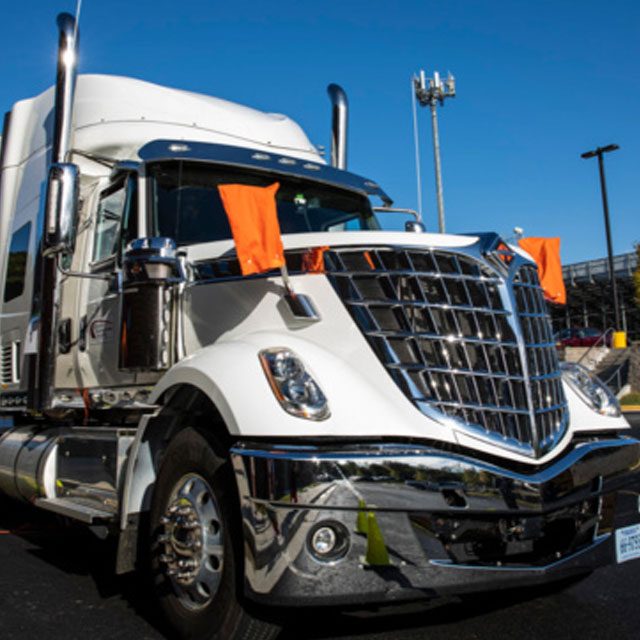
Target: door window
{"points": [[117, 219], [17, 265]]}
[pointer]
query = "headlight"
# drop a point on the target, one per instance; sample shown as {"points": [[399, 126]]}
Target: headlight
{"points": [[297, 392], [590, 388]]}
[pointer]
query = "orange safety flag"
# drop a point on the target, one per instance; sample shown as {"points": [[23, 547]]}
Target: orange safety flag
{"points": [[546, 253], [313, 260], [253, 217]]}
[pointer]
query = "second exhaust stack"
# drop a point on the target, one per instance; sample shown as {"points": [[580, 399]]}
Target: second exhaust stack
{"points": [[339, 115]]}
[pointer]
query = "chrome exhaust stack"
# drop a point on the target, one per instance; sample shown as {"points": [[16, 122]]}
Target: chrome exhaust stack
{"points": [[45, 314], [339, 117], [65, 86]]}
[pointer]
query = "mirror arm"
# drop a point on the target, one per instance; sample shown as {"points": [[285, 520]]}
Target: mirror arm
{"points": [[80, 274]]}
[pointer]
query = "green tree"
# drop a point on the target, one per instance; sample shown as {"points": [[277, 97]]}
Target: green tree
{"points": [[636, 276]]}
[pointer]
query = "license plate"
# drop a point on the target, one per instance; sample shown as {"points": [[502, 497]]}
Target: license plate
{"points": [[628, 543]]}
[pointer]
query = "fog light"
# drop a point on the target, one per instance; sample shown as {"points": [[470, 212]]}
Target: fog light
{"points": [[324, 541], [328, 541]]}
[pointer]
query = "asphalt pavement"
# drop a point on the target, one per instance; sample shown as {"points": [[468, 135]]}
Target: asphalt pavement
{"points": [[57, 583]]}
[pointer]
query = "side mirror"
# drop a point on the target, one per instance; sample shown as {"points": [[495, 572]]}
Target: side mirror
{"points": [[62, 207]]}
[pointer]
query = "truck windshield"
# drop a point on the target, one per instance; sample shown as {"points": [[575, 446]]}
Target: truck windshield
{"points": [[186, 204]]}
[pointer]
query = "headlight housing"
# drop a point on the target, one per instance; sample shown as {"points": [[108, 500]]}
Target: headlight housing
{"points": [[298, 393], [590, 389]]}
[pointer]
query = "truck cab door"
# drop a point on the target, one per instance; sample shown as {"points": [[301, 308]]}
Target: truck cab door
{"points": [[115, 225]]}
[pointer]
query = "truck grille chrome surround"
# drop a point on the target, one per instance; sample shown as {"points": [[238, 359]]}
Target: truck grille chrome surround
{"points": [[465, 335]]}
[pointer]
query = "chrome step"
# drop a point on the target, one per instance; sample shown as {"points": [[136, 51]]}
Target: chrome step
{"points": [[76, 509]]}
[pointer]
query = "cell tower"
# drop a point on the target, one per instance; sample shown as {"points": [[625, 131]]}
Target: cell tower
{"points": [[431, 92]]}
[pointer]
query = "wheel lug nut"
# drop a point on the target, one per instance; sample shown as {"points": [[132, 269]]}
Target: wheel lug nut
{"points": [[187, 564]]}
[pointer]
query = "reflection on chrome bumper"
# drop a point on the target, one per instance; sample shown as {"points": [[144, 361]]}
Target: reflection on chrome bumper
{"points": [[450, 523]]}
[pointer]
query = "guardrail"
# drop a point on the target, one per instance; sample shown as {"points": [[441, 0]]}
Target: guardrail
{"points": [[589, 270]]}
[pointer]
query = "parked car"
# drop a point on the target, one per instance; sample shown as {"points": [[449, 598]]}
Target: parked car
{"points": [[582, 337]]}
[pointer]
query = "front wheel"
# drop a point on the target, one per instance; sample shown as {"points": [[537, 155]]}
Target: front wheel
{"points": [[194, 565]]}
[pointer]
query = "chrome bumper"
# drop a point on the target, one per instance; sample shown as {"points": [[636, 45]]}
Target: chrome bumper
{"points": [[449, 523]]}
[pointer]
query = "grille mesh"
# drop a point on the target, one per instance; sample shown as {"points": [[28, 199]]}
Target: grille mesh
{"points": [[443, 326], [542, 359], [6, 364]]}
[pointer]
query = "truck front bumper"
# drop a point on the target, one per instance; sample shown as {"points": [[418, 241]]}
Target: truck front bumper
{"points": [[411, 522]]}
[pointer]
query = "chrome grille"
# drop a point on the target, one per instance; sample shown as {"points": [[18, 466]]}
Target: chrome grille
{"points": [[542, 358], [6, 364], [457, 336]]}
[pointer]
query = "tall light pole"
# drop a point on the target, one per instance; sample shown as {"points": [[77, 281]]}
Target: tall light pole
{"points": [[600, 151], [430, 92]]}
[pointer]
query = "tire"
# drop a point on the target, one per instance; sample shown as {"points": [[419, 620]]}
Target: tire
{"points": [[195, 545]]}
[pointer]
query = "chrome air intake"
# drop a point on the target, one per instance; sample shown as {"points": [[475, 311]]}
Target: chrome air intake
{"points": [[466, 336]]}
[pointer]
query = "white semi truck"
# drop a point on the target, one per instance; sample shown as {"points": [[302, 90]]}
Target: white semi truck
{"points": [[389, 421]]}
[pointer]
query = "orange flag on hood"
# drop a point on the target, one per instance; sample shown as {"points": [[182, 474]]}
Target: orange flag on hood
{"points": [[253, 218], [546, 253]]}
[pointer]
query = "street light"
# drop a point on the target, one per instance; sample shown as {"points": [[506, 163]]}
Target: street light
{"points": [[430, 92], [605, 205]]}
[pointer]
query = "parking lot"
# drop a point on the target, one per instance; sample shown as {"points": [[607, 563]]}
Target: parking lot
{"points": [[57, 583]]}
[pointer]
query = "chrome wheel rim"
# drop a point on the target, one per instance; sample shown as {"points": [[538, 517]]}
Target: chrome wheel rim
{"points": [[192, 542]]}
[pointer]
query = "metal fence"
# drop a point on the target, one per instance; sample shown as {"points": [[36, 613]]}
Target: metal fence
{"points": [[590, 299]]}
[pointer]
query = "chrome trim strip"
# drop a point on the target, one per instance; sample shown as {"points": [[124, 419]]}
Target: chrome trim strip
{"points": [[417, 272], [426, 305], [381, 452], [449, 564], [493, 407], [480, 374], [454, 339], [523, 314]]}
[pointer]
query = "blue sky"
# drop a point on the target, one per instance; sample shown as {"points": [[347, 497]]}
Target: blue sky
{"points": [[538, 83]]}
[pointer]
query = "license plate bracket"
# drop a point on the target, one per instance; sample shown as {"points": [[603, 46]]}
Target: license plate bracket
{"points": [[628, 543]]}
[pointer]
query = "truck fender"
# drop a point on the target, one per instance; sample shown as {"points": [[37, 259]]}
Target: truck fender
{"points": [[198, 372], [214, 370]]}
